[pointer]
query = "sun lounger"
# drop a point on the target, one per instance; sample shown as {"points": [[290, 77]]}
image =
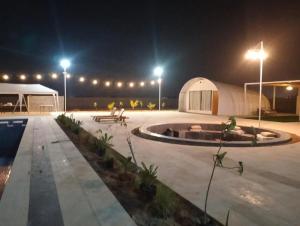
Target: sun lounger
{"points": [[112, 113], [118, 117]]}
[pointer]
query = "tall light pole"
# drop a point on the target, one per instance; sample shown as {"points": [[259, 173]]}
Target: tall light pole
{"points": [[258, 53], [65, 64], [158, 71]]}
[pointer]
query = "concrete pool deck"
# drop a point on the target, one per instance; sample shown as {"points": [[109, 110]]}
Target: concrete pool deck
{"points": [[51, 184], [268, 193]]}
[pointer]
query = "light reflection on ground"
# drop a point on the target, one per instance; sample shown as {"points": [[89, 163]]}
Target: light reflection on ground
{"points": [[252, 198]]}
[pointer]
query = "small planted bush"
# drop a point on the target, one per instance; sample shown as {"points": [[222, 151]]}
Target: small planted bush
{"points": [[125, 162], [70, 122], [95, 104], [134, 104], [148, 176], [103, 142], [164, 203], [111, 105], [121, 104], [109, 162], [141, 104], [151, 106]]}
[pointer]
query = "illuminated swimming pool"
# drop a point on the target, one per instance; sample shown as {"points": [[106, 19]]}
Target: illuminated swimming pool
{"points": [[11, 132]]}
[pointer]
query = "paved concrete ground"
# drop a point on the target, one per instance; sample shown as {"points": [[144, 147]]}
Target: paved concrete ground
{"points": [[268, 193], [52, 184]]}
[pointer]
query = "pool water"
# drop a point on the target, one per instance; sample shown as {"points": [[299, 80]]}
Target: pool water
{"points": [[11, 132]]}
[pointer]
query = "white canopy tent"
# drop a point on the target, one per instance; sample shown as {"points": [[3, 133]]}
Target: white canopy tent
{"points": [[28, 89]]}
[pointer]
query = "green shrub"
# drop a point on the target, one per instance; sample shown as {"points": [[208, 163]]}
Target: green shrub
{"points": [[95, 104], [147, 178], [111, 105], [125, 162], [109, 162], [164, 203], [141, 104], [134, 104], [70, 122], [103, 142], [75, 126], [151, 106]]}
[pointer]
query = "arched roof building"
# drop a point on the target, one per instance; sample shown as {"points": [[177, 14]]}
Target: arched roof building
{"points": [[200, 95]]}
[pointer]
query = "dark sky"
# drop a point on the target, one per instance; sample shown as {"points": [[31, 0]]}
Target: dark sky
{"points": [[125, 39]]}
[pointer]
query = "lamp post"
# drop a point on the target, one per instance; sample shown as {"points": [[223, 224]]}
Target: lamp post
{"points": [[158, 71], [65, 64], [258, 53]]}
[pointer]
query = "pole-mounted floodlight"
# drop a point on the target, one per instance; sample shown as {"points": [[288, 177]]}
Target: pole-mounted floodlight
{"points": [[65, 64], [158, 71], [258, 53]]}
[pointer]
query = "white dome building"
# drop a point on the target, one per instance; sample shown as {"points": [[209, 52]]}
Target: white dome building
{"points": [[200, 95]]}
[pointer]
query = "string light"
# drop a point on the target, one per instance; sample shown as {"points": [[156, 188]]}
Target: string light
{"points": [[54, 76], [94, 82], [119, 84], [38, 77], [23, 77], [5, 77], [81, 79]]}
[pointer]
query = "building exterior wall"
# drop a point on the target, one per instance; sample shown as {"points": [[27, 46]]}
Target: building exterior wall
{"points": [[230, 97]]}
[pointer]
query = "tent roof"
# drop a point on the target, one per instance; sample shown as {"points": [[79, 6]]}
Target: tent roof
{"points": [[38, 89]]}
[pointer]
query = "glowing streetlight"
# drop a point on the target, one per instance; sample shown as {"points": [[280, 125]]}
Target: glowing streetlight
{"points": [[258, 53], [5, 77], [107, 83], [81, 79], [289, 88], [68, 75], [152, 83], [23, 77], [54, 76], [119, 84], [158, 71], [95, 82], [65, 64], [38, 76], [131, 84], [142, 84]]}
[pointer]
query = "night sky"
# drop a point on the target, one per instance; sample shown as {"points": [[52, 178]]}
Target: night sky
{"points": [[126, 39]]}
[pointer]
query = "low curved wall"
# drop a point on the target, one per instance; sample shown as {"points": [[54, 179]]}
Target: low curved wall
{"points": [[155, 132]]}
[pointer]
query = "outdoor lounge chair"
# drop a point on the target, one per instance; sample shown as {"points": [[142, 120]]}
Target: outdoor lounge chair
{"points": [[112, 113], [118, 117]]}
